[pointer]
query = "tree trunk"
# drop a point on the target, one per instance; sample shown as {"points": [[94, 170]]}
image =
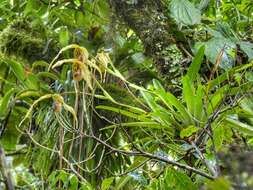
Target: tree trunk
{"points": [[157, 33]]}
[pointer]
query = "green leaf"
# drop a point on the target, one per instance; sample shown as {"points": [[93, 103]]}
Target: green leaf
{"points": [[214, 47], [28, 93], [63, 176], [193, 98], [124, 112], [158, 85], [203, 4], [64, 37], [11, 135], [226, 31], [189, 93], [241, 127], [106, 183], [171, 101], [138, 58], [149, 99], [86, 186], [47, 75], [177, 180], [122, 182], [198, 104], [73, 180], [196, 63], [164, 117], [219, 136], [16, 67], [215, 99], [39, 64], [4, 104], [188, 131], [184, 12], [220, 183], [152, 125], [247, 47], [227, 75], [31, 6], [247, 105], [119, 40], [29, 81]]}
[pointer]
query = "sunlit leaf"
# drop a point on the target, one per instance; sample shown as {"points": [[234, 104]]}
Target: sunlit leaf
{"points": [[106, 183], [187, 132], [185, 12]]}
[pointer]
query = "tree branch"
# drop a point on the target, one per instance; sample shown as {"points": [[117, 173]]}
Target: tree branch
{"points": [[151, 156]]}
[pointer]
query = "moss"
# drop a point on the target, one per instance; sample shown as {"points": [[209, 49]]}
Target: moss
{"points": [[23, 39]]}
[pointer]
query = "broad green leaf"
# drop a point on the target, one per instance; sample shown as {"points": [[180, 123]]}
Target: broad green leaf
{"points": [[247, 47], [214, 47], [226, 30], [106, 183], [249, 76], [10, 137], [193, 98], [184, 12]]}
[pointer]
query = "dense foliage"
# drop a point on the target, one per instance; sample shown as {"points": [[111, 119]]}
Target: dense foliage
{"points": [[126, 94]]}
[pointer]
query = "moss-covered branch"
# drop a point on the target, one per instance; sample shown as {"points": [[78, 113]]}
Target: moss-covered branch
{"points": [[148, 20]]}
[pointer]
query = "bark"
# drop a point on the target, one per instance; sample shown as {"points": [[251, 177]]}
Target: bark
{"points": [[147, 19], [5, 171]]}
